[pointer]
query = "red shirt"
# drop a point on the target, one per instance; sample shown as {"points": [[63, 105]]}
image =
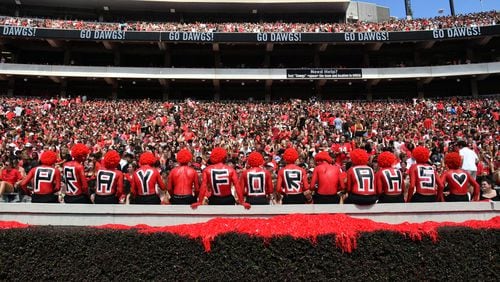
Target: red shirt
{"points": [[423, 180], [428, 123], [328, 178], [11, 176], [361, 180], [341, 150], [389, 181], [458, 181], [292, 180], [74, 178], [109, 182], [145, 180], [256, 182], [183, 180], [46, 180]]}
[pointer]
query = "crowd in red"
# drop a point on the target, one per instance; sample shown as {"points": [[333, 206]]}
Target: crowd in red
{"points": [[31, 126], [468, 20]]}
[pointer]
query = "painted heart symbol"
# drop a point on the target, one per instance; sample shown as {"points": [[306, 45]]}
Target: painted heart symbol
{"points": [[460, 178]]}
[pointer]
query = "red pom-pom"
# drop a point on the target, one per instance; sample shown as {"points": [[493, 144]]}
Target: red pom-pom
{"points": [[386, 159], [184, 156], [80, 151], [453, 160], [421, 154], [147, 158], [48, 158], [323, 157], [218, 155], [255, 159], [290, 155], [111, 159], [359, 157]]}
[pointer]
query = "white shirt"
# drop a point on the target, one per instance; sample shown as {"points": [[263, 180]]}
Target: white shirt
{"points": [[469, 158]]}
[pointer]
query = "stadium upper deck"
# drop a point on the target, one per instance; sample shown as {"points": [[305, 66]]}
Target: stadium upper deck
{"points": [[176, 10], [244, 42]]}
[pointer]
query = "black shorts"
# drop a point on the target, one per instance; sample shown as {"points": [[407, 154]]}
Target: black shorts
{"points": [[419, 198], [110, 199], [146, 200], [91, 184], [48, 199], [182, 200], [360, 133], [326, 199], [228, 200], [80, 199], [294, 199], [384, 198], [257, 200], [126, 187], [361, 199], [457, 198]]}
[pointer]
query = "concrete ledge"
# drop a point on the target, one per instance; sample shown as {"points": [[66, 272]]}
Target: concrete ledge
{"points": [[239, 74], [91, 215]]}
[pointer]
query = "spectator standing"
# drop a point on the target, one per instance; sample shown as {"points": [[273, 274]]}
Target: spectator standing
{"points": [[469, 158]]}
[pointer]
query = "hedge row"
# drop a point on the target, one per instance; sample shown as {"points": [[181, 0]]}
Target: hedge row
{"points": [[76, 253]]}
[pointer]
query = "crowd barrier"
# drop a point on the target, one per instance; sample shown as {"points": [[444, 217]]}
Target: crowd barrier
{"points": [[168, 215]]}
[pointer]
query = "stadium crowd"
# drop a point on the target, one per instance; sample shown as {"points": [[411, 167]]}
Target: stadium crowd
{"points": [[31, 126], [468, 20]]}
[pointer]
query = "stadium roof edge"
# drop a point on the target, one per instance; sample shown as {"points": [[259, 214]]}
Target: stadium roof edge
{"points": [[371, 3], [332, 6]]}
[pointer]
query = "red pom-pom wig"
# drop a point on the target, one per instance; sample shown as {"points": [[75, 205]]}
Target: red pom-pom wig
{"points": [[80, 152], [147, 158], [359, 157], [290, 156], [48, 158], [421, 154], [386, 159], [323, 157], [218, 155], [184, 156], [453, 160], [111, 159], [255, 159]]}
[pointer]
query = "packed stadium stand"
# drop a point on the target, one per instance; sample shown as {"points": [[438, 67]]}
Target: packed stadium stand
{"points": [[243, 118], [256, 75]]}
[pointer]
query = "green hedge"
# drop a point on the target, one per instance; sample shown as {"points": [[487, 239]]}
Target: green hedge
{"points": [[70, 253]]}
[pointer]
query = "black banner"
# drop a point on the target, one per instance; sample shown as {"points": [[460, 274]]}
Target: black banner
{"points": [[323, 73], [278, 37]]}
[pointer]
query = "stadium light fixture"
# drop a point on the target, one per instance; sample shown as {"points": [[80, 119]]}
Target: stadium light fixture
{"points": [[18, 2], [105, 8]]}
